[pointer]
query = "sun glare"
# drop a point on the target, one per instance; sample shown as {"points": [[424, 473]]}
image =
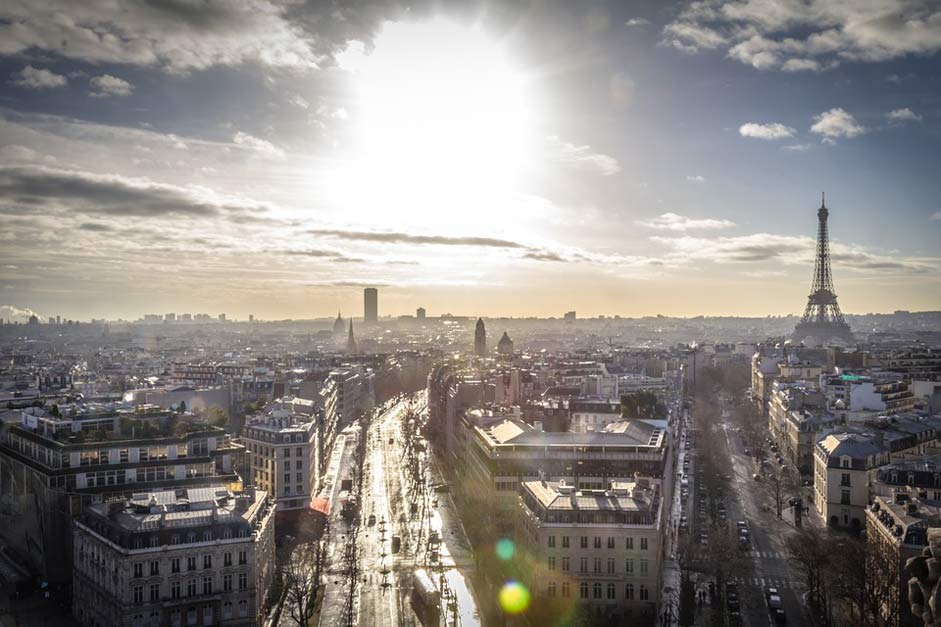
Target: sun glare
{"points": [[441, 126]]}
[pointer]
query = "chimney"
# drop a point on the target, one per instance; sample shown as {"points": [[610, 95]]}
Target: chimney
{"points": [[537, 425]]}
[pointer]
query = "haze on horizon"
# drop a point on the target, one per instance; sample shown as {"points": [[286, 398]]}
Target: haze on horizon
{"points": [[636, 158]]}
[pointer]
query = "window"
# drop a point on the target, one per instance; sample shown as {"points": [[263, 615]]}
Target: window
{"points": [[643, 544], [138, 594], [191, 588], [287, 451], [207, 585], [139, 569], [644, 594], [207, 561], [629, 592], [155, 592], [227, 610], [175, 538], [207, 615], [565, 589], [844, 497], [175, 618], [552, 562], [610, 565], [227, 559], [597, 542], [845, 479], [551, 590], [191, 616], [298, 465], [629, 543], [551, 542], [300, 477], [596, 566], [584, 542], [175, 565], [227, 583], [300, 451], [154, 568], [565, 542], [175, 590], [191, 563], [565, 564], [845, 462], [243, 557], [287, 478], [243, 608], [243, 581], [611, 593], [583, 565], [583, 589], [596, 590], [643, 567], [629, 567]]}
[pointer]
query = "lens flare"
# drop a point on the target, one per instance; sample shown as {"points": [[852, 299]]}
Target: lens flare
{"points": [[514, 597], [505, 549]]}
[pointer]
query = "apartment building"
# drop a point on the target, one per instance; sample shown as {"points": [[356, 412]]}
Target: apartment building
{"points": [[283, 454], [842, 466], [189, 556], [882, 392], [597, 547], [347, 394], [52, 468]]}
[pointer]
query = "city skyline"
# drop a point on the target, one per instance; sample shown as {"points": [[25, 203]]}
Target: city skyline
{"points": [[640, 159]]}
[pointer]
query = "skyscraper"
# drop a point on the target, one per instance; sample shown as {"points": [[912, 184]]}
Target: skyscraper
{"points": [[420, 313], [480, 338], [370, 305]]}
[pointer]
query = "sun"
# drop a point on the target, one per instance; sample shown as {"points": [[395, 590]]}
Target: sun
{"points": [[442, 126]]}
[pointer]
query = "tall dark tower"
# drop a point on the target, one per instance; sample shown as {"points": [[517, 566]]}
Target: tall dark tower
{"points": [[370, 305], [480, 338], [350, 340], [822, 320]]}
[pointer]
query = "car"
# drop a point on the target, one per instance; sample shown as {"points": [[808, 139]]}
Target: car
{"points": [[742, 524], [372, 520], [747, 452], [756, 477], [794, 501]]}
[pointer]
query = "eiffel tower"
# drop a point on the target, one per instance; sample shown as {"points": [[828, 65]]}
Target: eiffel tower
{"points": [[822, 320]]}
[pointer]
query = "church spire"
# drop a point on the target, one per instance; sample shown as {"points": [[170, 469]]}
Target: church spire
{"points": [[350, 340]]}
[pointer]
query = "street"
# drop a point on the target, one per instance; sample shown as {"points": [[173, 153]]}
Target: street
{"points": [[369, 578]]}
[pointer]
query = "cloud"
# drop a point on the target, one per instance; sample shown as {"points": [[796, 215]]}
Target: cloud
{"points": [[261, 146], [405, 238], [695, 179], [771, 131], [798, 147], [903, 115], [95, 227], [675, 222], [581, 157], [691, 37], [174, 36], [37, 78], [107, 85], [637, 21], [935, 216], [807, 35], [11, 313], [788, 250], [835, 123], [48, 189], [544, 255]]}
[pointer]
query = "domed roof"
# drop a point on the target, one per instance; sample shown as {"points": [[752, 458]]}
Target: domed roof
{"points": [[505, 339], [338, 325]]}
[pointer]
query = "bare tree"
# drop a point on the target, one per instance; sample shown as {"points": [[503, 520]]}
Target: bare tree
{"points": [[781, 485], [302, 579], [813, 553]]}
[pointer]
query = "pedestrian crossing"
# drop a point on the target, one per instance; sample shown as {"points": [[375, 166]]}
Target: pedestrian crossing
{"points": [[781, 583], [767, 555]]}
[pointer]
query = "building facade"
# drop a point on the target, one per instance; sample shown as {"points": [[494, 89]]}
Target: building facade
{"points": [[197, 556], [597, 547]]}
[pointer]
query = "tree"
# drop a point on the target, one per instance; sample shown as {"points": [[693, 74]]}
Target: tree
{"points": [[781, 485], [641, 405], [181, 408], [812, 553], [217, 416], [302, 579], [55, 411]]}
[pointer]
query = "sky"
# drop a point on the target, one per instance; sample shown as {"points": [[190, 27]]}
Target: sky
{"points": [[497, 159]]}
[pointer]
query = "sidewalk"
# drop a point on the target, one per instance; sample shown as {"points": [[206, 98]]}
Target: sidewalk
{"points": [[670, 574]]}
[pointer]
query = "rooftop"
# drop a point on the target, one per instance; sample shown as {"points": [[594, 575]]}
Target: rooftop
{"points": [[628, 496]]}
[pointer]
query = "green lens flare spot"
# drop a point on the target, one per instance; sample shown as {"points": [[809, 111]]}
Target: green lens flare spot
{"points": [[514, 597], [505, 549]]}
